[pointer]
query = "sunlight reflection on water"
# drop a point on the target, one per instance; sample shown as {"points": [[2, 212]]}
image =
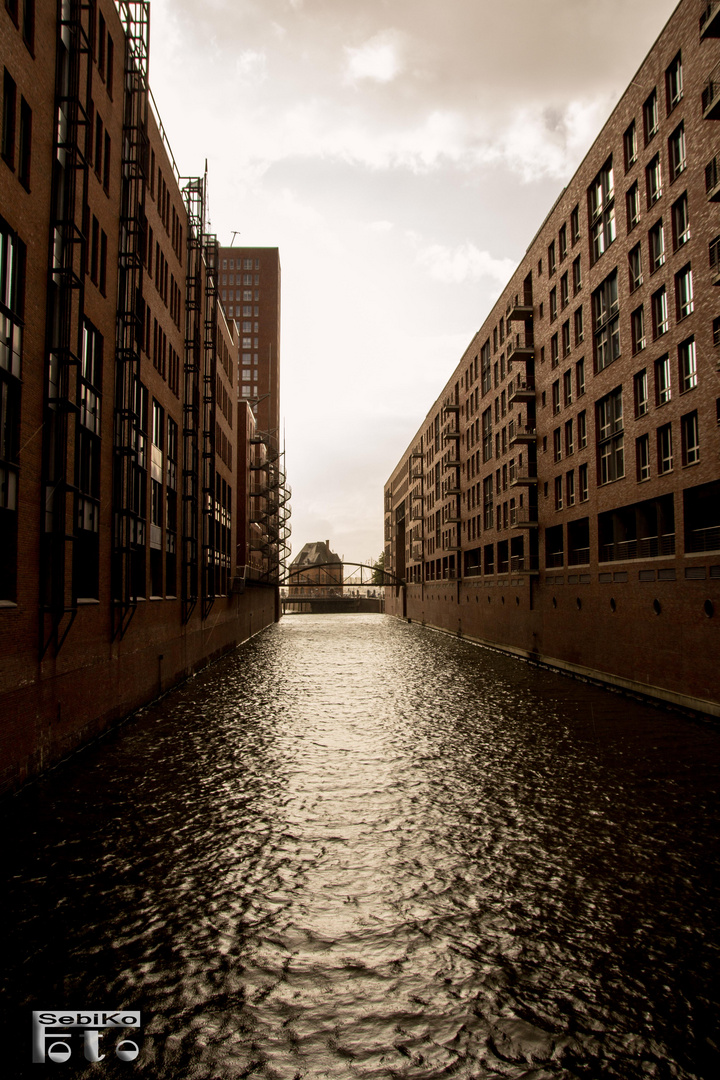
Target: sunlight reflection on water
{"points": [[361, 849]]}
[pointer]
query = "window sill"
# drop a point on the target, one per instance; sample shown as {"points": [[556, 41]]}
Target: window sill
{"points": [[8, 604], [87, 601]]}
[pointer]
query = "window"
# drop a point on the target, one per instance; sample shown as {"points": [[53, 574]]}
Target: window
{"points": [[653, 181], [660, 313], [570, 487], [580, 377], [642, 458], [556, 397], [632, 206], [567, 388], [663, 389], [558, 493], [582, 429], [8, 119], [601, 203], [25, 144], [487, 434], [656, 238], [101, 46], [687, 365], [551, 258], [606, 322], [650, 117], [579, 332], [575, 225], [583, 483], [98, 144], [564, 290], [110, 66], [553, 305], [677, 154], [690, 439], [86, 547], [12, 260], [610, 437], [486, 368], [640, 388], [569, 442], [577, 275], [637, 322], [630, 146], [557, 444], [664, 449], [562, 242], [554, 355], [106, 164], [680, 221], [635, 268], [488, 502], [674, 83], [566, 338], [684, 292], [28, 24]]}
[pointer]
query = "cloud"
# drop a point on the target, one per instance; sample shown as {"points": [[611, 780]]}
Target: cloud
{"points": [[463, 263], [377, 60], [250, 66]]}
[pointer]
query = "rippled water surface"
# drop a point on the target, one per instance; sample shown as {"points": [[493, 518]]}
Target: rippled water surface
{"points": [[359, 849]]}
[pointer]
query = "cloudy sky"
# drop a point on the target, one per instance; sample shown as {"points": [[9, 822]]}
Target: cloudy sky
{"points": [[401, 154]]}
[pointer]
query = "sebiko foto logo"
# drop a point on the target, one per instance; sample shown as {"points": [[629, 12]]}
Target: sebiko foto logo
{"points": [[53, 1042]]}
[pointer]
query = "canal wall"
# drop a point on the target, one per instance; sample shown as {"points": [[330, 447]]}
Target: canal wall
{"points": [[62, 702], [663, 644]]}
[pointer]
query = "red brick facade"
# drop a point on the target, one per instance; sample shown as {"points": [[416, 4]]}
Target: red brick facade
{"points": [[562, 497], [121, 503]]}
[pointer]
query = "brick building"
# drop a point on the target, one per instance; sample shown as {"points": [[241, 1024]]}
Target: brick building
{"points": [[249, 289], [125, 450], [561, 500], [316, 571]]}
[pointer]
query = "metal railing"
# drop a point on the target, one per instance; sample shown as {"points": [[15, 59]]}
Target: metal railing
{"points": [[711, 93], [647, 547], [707, 539]]}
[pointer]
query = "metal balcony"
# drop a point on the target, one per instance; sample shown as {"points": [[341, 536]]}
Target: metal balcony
{"points": [[711, 96], [450, 433], [522, 390], [520, 308], [712, 180], [710, 20], [715, 261], [523, 478], [522, 433], [526, 517], [451, 407], [520, 347]]}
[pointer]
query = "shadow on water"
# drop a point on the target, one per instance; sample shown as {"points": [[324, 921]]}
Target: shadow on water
{"points": [[360, 849]]}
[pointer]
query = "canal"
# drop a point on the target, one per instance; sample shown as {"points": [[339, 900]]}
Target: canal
{"points": [[360, 849]]}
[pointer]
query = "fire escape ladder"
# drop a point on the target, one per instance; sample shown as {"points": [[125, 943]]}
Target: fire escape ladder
{"points": [[128, 515], [64, 319], [210, 528], [194, 194]]}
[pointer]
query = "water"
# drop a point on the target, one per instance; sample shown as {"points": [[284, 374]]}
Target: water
{"points": [[360, 849]]}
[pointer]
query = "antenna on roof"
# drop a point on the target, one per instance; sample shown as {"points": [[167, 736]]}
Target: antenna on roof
{"points": [[235, 233]]}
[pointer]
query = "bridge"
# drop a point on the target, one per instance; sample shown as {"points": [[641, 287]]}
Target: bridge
{"points": [[329, 587]]}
